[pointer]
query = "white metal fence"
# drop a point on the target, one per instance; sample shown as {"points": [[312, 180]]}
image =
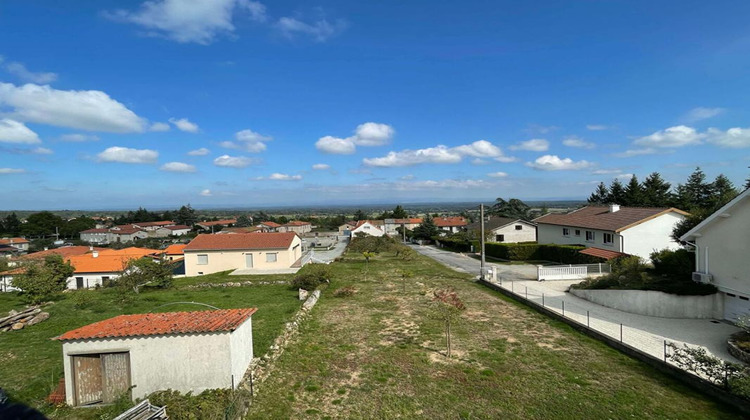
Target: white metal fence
{"points": [[571, 272]]}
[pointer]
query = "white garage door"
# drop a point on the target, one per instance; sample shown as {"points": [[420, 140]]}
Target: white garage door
{"points": [[735, 306]]}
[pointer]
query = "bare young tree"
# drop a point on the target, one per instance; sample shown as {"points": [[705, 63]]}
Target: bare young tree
{"points": [[447, 306]]}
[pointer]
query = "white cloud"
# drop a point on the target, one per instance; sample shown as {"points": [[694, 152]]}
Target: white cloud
{"points": [[90, 110], [637, 152], [319, 30], [676, 136], [733, 138], [188, 21], [597, 127], [249, 141], [16, 132], [233, 161], [554, 163], [335, 145], [199, 152], [408, 177], [533, 145], [280, 177], [606, 171], [439, 154], [574, 141], [497, 174], [701, 113], [178, 167], [321, 166], [159, 126], [183, 124], [127, 155], [41, 151], [366, 134], [206, 193], [6, 171], [20, 71], [77, 138]]}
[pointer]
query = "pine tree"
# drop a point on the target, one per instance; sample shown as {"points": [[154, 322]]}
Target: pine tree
{"points": [[427, 229], [360, 215], [616, 192], [399, 213], [656, 191], [600, 196], [633, 195], [697, 191], [513, 209], [722, 192]]}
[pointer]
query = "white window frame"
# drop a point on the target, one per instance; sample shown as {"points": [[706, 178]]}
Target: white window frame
{"points": [[592, 234], [611, 238], [202, 259], [275, 256], [566, 231]]}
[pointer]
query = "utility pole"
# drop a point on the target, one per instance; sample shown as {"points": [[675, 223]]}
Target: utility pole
{"points": [[403, 230], [481, 240]]}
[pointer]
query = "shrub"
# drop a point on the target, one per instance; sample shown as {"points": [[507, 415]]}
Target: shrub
{"points": [[676, 264], [43, 280], [346, 291], [311, 276], [564, 254], [82, 298], [373, 244], [740, 386]]}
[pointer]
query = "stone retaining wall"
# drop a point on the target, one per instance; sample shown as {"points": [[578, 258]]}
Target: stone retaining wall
{"points": [[653, 303]]}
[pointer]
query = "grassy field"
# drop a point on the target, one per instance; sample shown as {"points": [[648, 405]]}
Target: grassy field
{"points": [[31, 363], [380, 354]]}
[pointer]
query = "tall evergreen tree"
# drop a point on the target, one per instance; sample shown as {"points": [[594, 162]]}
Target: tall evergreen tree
{"points": [[600, 196], [656, 191], [616, 192], [722, 192], [399, 213], [513, 208], [186, 216], [633, 195], [11, 224], [695, 193], [360, 215], [427, 229]]}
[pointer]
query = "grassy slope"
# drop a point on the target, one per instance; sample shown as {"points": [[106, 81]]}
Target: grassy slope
{"points": [[32, 363], [379, 354]]}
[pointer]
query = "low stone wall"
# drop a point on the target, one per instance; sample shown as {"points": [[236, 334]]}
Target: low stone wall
{"points": [[735, 350], [233, 284], [653, 303]]}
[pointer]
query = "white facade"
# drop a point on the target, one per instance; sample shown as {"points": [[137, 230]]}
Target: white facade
{"points": [[89, 280], [369, 229], [184, 362], [722, 245], [518, 231]]}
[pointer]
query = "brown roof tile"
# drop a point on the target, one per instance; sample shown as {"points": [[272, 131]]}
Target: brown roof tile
{"points": [[162, 324], [600, 217], [242, 241], [602, 253], [449, 221], [13, 241]]}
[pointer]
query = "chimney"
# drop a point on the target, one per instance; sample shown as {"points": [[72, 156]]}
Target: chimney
{"points": [[91, 247], [95, 254], [614, 208]]}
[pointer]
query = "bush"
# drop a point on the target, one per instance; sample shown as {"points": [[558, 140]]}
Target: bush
{"points": [[82, 298], [740, 386], [311, 276], [42, 281], [346, 291], [564, 254], [677, 264], [373, 244], [209, 404]]}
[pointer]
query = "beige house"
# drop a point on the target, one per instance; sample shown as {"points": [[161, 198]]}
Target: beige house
{"points": [[296, 226], [505, 229], [391, 225], [251, 252]]}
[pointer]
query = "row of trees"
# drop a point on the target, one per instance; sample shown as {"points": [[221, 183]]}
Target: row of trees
{"points": [[185, 215], [695, 194], [42, 224]]}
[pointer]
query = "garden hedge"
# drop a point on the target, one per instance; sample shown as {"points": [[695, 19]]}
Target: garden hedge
{"points": [[563, 254]]}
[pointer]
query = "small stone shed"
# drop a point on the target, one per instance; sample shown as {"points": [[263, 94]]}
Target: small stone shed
{"points": [[183, 351]]}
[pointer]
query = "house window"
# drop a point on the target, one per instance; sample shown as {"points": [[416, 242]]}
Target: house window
{"points": [[590, 236], [608, 239], [271, 257], [578, 232], [202, 259], [519, 227], [566, 232], [500, 238]]}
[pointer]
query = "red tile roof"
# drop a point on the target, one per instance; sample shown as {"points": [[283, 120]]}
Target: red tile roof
{"points": [[271, 224], [65, 252], [125, 230], [218, 222], [177, 227], [602, 253], [242, 241], [600, 217], [411, 221], [95, 231], [13, 241], [166, 323], [449, 221], [149, 224], [175, 249], [297, 223], [376, 223], [108, 260]]}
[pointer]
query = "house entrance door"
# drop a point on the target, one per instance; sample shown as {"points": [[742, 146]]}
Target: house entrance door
{"points": [[249, 260]]}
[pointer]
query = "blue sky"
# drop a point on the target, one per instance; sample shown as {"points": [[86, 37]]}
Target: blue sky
{"points": [[113, 104]]}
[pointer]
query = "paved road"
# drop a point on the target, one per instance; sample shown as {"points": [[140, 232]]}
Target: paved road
{"points": [[333, 253], [644, 332]]}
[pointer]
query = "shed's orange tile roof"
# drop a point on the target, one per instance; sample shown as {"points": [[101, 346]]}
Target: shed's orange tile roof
{"points": [[175, 249], [602, 253], [600, 217], [166, 323], [449, 221], [242, 241], [177, 227], [13, 241]]}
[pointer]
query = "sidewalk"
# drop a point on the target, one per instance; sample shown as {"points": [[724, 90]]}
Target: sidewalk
{"points": [[644, 332]]}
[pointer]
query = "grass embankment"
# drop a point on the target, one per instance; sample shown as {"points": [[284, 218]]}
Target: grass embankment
{"points": [[32, 362], [380, 354]]}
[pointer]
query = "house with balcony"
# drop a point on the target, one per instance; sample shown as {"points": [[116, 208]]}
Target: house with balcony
{"points": [[722, 246], [629, 230]]}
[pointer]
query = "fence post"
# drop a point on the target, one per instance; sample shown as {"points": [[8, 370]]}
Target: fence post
{"points": [[600, 268], [511, 286], [527, 292], [665, 351], [621, 333], [588, 321], [563, 306], [542, 300]]}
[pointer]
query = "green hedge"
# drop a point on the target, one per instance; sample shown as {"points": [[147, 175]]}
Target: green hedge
{"points": [[563, 254]]}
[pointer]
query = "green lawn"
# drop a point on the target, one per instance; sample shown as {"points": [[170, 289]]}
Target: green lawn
{"points": [[32, 363], [224, 277], [380, 354]]}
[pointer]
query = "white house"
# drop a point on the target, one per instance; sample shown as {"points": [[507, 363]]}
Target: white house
{"points": [[505, 229], [21, 244], [296, 226], [173, 230], [183, 351], [257, 253], [391, 225], [98, 267], [630, 230], [722, 248], [450, 224], [369, 227]]}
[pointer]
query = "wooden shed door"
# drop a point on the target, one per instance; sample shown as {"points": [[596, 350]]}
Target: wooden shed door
{"points": [[88, 379], [115, 375]]}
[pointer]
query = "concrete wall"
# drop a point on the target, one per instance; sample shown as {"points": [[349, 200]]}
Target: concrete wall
{"points": [[726, 243], [526, 234], [658, 304], [194, 362], [232, 260], [553, 234], [650, 236], [241, 344]]}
